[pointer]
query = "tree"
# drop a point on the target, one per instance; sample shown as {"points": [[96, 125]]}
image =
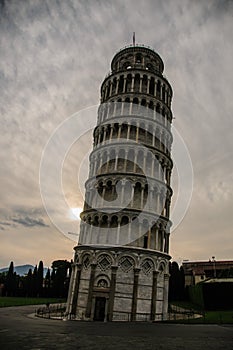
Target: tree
{"points": [[47, 284], [40, 278], [2, 283], [11, 281], [60, 278], [29, 284], [182, 284], [176, 283], [34, 282]]}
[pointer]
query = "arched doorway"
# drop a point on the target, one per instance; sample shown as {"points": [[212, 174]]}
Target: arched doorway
{"points": [[100, 306], [100, 300]]}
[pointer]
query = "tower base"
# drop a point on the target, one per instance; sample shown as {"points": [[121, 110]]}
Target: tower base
{"points": [[118, 283]]}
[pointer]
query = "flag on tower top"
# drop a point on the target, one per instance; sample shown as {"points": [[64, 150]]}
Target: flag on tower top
{"points": [[133, 38]]}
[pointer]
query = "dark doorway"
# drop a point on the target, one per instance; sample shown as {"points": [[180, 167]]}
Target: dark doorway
{"points": [[99, 309]]}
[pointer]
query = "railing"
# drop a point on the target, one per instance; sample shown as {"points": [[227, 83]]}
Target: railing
{"points": [[127, 316], [177, 313], [136, 67], [136, 45], [54, 311]]}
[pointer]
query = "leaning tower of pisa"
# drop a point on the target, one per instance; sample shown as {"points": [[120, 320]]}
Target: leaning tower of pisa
{"points": [[120, 269]]}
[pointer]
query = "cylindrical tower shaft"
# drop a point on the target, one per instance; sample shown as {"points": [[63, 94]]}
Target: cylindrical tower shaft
{"points": [[128, 191]]}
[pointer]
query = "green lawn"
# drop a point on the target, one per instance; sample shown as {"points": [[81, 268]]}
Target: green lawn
{"points": [[19, 301], [213, 317], [217, 317]]}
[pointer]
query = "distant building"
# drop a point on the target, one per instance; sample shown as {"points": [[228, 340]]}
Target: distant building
{"points": [[199, 271]]}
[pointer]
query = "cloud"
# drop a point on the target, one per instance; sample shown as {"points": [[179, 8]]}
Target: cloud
{"points": [[28, 217], [29, 222], [54, 56], [5, 223]]}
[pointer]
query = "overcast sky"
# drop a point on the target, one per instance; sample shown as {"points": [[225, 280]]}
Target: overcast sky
{"points": [[54, 54]]}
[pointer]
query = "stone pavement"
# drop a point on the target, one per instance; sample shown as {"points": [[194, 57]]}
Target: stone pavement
{"points": [[19, 329]]}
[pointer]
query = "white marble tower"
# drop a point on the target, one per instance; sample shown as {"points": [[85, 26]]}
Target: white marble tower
{"points": [[120, 269]]}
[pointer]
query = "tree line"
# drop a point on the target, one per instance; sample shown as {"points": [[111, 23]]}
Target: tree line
{"points": [[177, 290], [56, 281], [34, 284]]}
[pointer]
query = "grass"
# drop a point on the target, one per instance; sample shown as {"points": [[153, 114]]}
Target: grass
{"points": [[20, 301], [209, 317], [218, 317], [186, 305]]}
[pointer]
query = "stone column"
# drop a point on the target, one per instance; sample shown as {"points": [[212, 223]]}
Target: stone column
{"points": [[117, 86], [154, 295], [152, 166], [119, 132], [155, 88], [73, 291], [162, 240], [139, 236], [91, 168], [128, 132], [149, 238], [140, 84], [165, 296], [158, 209], [108, 236], [107, 163], [112, 293], [167, 242], [91, 224], [99, 135], [153, 138], [129, 229], [168, 203], [130, 107], [114, 108], [148, 85], [124, 84], [156, 238], [122, 190], [135, 294], [110, 93], [105, 92], [135, 161], [150, 195], [160, 175], [142, 197], [122, 107], [137, 132], [144, 162], [100, 161], [132, 196], [97, 198], [116, 163], [104, 137], [103, 194], [118, 230], [90, 291], [125, 161], [111, 132], [132, 84], [169, 177]]}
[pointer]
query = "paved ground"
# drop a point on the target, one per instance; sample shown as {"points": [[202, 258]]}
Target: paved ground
{"points": [[20, 330]]}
